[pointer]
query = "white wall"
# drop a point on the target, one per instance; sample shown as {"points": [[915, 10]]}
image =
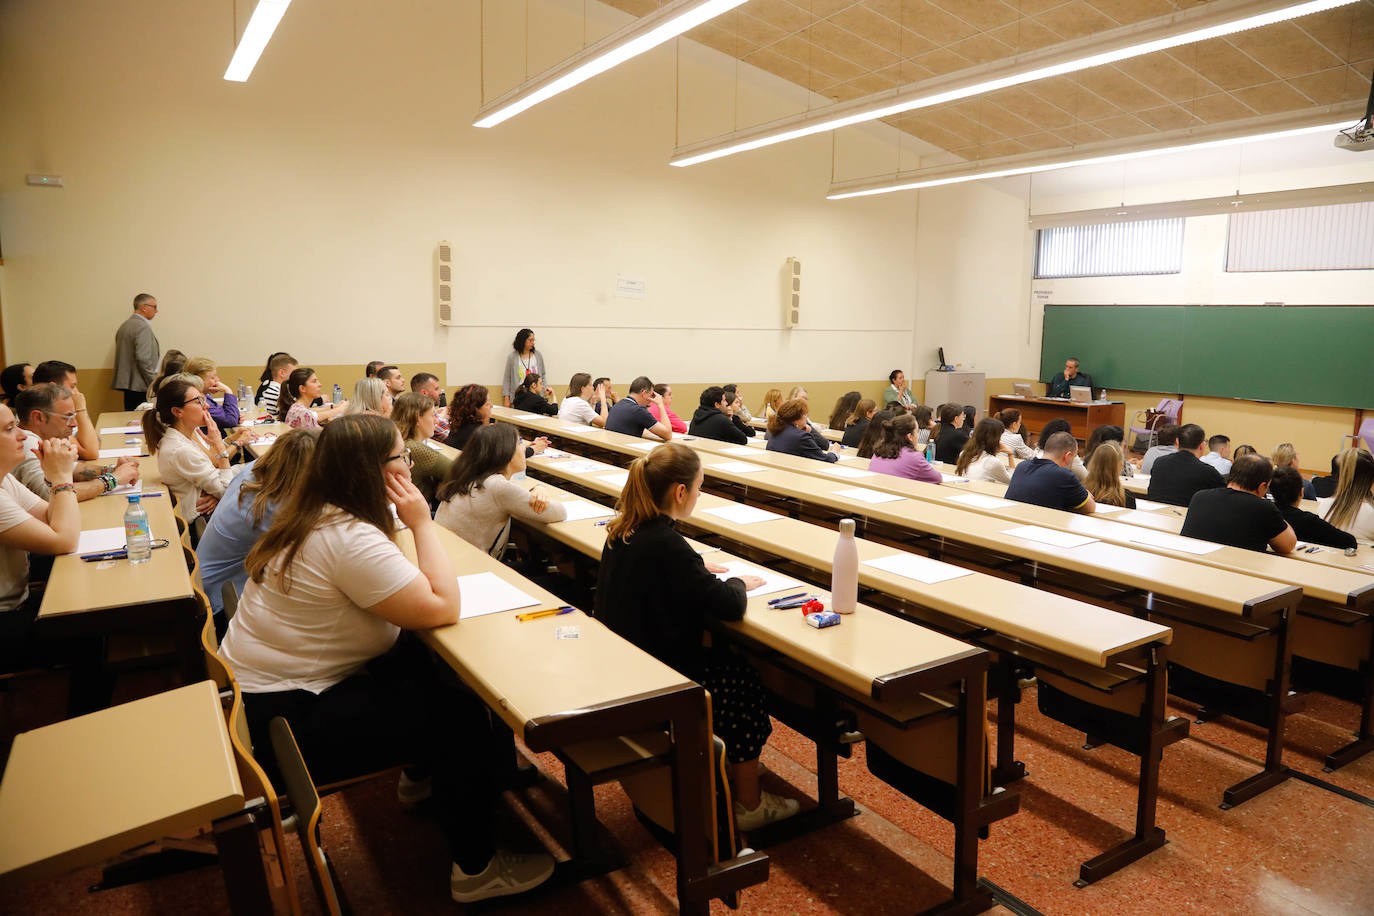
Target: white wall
{"points": [[300, 210]]}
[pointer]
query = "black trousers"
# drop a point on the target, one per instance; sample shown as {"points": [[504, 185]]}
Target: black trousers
{"points": [[402, 710], [133, 398]]}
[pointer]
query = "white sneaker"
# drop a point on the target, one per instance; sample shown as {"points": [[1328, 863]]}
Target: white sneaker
{"points": [[771, 808], [410, 792], [507, 873]]}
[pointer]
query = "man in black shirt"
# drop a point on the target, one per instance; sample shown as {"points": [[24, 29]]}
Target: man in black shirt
{"points": [[1238, 514], [1175, 478], [1048, 481], [1070, 378], [1286, 490], [712, 420]]}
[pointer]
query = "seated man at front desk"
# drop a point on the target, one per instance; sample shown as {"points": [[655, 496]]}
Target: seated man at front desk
{"points": [[1069, 378]]}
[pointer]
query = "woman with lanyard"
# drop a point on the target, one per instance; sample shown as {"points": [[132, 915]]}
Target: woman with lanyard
{"points": [[520, 362]]}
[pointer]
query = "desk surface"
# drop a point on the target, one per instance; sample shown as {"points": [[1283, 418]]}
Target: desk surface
{"points": [[80, 791], [834, 435]]}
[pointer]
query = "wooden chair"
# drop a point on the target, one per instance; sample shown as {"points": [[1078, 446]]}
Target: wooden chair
{"points": [[305, 800], [229, 597]]}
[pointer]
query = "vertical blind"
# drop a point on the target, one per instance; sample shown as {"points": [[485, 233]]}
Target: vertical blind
{"points": [[1334, 237], [1152, 246]]}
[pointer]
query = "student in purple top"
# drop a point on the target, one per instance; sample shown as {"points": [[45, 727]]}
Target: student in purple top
{"points": [[898, 454], [226, 413], [789, 432]]}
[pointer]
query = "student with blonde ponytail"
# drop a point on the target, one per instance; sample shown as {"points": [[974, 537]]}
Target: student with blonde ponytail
{"points": [[657, 592]]}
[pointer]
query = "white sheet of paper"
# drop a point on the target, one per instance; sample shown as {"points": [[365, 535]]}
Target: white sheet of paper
{"points": [[742, 515], [982, 501], [99, 540], [1049, 536], [737, 450], [739, 467], [434, 445], [126, 430], [1104, 509], [579, 509], [582, 466], [873, 497], [125, 489], [1131, 516], [648, 445], [922, 569], [121, 452], [528, 416], [837, 470], [1174, 542], [554, 453], [772, 582], [263, 440], [487, 593], [615, 478], [1145, 505], [574, 427], [953, 478]]}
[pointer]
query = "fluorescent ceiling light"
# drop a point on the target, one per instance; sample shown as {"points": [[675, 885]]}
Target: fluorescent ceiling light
{"points": [[1213, 20], [644, 34], [255, 37], [1268, 127]]}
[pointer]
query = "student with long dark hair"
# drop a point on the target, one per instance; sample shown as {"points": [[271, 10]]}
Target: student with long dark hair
{"points": [[856, 424], [844, 409], [951, 435], [529, 397], [657, 592], [299, 391], [317, 640], [873, 434], [13, 380], [898, 455], [984, 457]]}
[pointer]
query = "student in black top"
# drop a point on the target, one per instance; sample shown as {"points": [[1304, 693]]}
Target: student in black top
{"points": [[711, 419], [1048, 481], [873, 435], [737, 412], [1325, 487], [952, 434], [657, 592], [1176, 477], [529, 397], [789, 432], [858, 422], [1238, 514], [631, 416], [1285, 488], [471, 408]]}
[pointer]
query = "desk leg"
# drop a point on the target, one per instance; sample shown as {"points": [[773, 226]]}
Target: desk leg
{"points": [[1274, 771], [1364, 741], [692, 803], [241, 861], [1008, 768]]}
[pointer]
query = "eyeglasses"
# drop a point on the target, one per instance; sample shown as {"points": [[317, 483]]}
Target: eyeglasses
{"points": [[404, 457], [66, 417], [200, 400]]}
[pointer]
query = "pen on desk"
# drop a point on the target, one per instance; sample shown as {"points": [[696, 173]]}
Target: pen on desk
{"points": [[604, 521], [551, 612], [787, 598]]}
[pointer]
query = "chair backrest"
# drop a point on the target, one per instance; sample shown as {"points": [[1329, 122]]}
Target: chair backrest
{"points": [[197, 530], [300, 789], [1171, 408], [1367, 433], [229, 598]]}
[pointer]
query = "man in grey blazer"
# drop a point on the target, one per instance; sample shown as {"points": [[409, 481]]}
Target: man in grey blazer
{"points": [[136, 352]]}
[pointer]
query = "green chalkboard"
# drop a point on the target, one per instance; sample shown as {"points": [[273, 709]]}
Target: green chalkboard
{"points": [[1320, 355]]}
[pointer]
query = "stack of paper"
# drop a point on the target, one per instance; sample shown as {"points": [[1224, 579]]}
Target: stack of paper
{"points": [[487, 593]]}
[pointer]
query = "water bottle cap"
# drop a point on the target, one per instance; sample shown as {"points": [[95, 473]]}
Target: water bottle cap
{"points": [[133, 497], [847, 526]]}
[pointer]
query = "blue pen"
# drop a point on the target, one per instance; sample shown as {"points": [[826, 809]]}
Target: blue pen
{"points": [[788, 598], [604, 521]]}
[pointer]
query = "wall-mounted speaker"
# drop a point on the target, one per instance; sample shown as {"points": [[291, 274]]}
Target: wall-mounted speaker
{"points": [[791, 300], [443, 283]]}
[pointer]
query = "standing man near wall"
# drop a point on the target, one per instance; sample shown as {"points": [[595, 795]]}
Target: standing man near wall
{"points": [[136, 352]]}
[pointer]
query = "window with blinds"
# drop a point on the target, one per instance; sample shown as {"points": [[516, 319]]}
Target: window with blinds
{"points": [[1334, 237], [1151, 246]]}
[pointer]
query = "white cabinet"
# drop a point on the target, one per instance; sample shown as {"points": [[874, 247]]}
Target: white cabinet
{"points": [[957, 387]]}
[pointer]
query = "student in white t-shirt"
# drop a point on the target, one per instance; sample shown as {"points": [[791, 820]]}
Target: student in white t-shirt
{"points": [[577, 407], [315, 640], [985, 456], [29, 524]]}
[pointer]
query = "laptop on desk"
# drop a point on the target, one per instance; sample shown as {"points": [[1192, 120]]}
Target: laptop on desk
{"points": [[1021, 389], [1081, 395]]}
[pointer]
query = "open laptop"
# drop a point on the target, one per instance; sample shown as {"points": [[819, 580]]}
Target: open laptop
{"points": [[1021, 389], [1080, 395]]}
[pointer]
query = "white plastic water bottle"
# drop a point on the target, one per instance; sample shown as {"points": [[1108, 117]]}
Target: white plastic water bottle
{"points": [[338, 394], [844, 571], [242, 395], [138, 539]]}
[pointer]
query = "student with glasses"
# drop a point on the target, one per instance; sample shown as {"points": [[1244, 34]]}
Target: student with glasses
{"points": [[47, 412], [194, 464]]}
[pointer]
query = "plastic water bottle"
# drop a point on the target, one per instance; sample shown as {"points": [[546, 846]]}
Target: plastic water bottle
{"points": [[138, 539], [242, 394], [844, 571], [930, 452], [338, 394]]}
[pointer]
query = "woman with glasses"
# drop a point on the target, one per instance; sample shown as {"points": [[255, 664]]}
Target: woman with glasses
{"points": [[301, 389], [414, 416], [317, 640], [478, 499], [193, 464]]}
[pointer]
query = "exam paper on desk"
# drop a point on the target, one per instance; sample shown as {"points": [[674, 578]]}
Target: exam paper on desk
{"points": [[772, 581], [487, 593]]}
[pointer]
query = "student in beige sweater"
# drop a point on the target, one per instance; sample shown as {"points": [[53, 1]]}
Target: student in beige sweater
{"points": [[477, 497]]}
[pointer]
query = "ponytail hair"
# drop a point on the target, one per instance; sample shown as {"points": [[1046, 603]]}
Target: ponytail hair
{"points": [[291, 390], [172, 394], [651, 478], [896, 436], [874, 434]]}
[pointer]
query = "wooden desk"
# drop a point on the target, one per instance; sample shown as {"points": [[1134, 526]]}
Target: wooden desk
{"points": [[1083, 418], [834, 435], [80, 791]]}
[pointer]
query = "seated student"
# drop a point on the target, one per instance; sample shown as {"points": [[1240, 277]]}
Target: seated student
{"points": [[897, 390], [414, 417], [279, 369], [1052, 428], [970, 417], [372, 368], [772, 400], [1219, 454], [874, 434], [1104, 476], [46, 412], [631, 416], [789, 432], [609, 397], [194, 465], [735, 410], [711, 420], [984, 457], [427, 384], [395, 382], [1011, 434], [856, 424], [226, 413], [13, 380], [1177, 477], [664, 406], [316, 641], [897, 454], [1048, 481], [56, 372], [371, 395], [529, 397], [734, 394], [1352, 507], [1107, 434], [1285, 488], [1241, 451], [577, 406], [30, 524], [1326, 486], [925, 423], [471, 409], [1238, 514], [300, 390], [246, 512], [1166, 444], [797, 391], [654, 590], [477, 499], [844, 409], [951, 436], [173, 362], [1285, 455]]}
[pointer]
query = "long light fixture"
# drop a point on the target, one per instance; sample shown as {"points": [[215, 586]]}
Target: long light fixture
{"points": [[1250, 130], [644, 34], [258, 33], [1213, 20]]}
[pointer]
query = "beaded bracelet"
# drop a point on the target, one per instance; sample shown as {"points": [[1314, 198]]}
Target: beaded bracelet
{"points": [[64, 488], [109, 480]]}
